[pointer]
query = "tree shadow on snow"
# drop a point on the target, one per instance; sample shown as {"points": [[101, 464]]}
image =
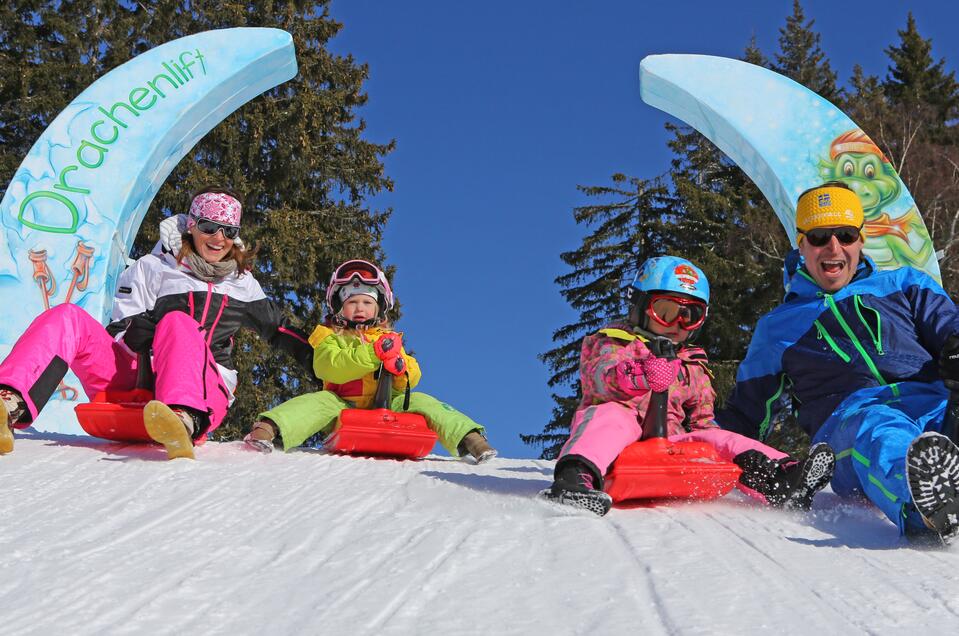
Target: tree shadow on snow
{"points": [[491, 483]]}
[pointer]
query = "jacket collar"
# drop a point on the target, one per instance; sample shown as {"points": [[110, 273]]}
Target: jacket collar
{"points": [[799, 284]]}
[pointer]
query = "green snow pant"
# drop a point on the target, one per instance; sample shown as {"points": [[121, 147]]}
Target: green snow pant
{"points": [[307, 414]]}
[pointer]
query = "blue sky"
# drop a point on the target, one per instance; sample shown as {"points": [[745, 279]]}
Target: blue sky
{"points": [[499, 110]]}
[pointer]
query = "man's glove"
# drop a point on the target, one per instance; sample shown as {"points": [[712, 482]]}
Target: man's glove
{"points": [[139, 333], [949, 363], [389, 349]]}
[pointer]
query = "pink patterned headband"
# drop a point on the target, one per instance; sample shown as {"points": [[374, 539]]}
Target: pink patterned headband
{"points": [[216, 206]]}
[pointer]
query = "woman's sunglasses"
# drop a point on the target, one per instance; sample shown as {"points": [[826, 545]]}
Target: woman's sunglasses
{"points": [[212, 227], [847, 235]]}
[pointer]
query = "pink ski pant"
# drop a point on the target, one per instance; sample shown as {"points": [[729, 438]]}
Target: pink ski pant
{"points": [[599, 433], [67, 336]]}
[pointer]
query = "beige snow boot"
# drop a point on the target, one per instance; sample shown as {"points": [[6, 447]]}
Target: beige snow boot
{"points": [[12, 409], [476, 445], [172, 427]]}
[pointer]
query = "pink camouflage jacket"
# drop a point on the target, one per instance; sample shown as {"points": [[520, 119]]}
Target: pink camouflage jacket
{"points": [[691, 395]]}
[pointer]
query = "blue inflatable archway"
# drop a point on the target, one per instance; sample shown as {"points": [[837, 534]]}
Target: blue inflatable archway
{"points": [[787, 139], [74, 206]]}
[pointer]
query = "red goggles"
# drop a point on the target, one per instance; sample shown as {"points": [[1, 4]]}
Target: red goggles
{"points": [[669, 310]]}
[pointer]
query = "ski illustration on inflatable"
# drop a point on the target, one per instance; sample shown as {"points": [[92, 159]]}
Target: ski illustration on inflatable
{"points": [[787, 138], [73, 208]]}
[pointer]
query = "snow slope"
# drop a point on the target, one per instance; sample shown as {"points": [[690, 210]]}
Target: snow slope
{"points": [[109, 538]]}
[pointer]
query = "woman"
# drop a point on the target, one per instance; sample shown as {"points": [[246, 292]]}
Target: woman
{"points": [[186, 308]]}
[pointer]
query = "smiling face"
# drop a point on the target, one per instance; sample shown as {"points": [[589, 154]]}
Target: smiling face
{"points": [[833, 265], [359, 308], [211, 247]]}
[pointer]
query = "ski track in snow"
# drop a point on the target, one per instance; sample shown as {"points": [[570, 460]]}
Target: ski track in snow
{"points": [[112, 538]]}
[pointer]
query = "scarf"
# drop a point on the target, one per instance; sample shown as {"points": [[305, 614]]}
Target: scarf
{"points": [[207, 271]]}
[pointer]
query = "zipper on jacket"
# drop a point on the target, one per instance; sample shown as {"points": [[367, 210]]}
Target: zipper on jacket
{"points": [[767, 420], [855, 341], [206, 304], [876, 337], [223, 304], [823, 334]]}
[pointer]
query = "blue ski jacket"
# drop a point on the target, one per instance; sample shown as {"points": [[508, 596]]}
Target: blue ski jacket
{"points": [[882, 328]]}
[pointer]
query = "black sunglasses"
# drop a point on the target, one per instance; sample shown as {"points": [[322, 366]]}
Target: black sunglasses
{"points": [[820, 236], [212, 227]]}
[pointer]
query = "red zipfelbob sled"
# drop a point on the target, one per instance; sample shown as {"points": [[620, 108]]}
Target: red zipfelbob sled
{"points": [[380, 432], [656, 468], [118, 415]]}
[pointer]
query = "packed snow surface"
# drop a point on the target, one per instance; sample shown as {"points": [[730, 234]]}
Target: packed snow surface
{"points": [[99, 537]]}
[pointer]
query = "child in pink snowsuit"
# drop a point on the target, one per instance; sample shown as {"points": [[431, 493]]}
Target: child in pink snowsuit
{"points": [[619, 374], [184, 307]]}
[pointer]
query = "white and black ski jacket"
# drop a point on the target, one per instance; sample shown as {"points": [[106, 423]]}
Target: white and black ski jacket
{"points": [[156, 285]]}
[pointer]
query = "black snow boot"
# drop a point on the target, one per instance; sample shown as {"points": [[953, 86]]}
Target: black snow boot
{"points": [[787, 483], [574, 484], [932, 472]]}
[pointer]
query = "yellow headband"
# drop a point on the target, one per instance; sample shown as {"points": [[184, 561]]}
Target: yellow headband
{"points": [[828, 206]]}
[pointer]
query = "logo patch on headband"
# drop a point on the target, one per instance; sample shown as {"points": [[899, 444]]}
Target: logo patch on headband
{"points": [[823, 199]]}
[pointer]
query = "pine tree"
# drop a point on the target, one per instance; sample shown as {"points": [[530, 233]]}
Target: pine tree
{"points": [[628, 226], [800, 58], [49, 52], [917, 132], [297, 154], [910, 114], [914, 80], [753, 54]]}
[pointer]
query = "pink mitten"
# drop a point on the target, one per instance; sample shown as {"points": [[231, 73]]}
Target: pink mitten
{"points": [[629, 377], [659, 372]]}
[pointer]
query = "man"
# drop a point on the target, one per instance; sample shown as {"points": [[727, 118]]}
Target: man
{"points": [[861, 353]]}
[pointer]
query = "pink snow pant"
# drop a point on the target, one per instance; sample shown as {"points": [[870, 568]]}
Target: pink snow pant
{"points": [[599, 434], [68, 337]]}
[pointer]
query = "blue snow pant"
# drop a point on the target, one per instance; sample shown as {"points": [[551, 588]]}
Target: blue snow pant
{"points": [[870, 432]]}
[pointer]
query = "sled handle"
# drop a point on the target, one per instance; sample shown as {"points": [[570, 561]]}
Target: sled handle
{"points": [[654, 424], [384, 389], [145, 376]]}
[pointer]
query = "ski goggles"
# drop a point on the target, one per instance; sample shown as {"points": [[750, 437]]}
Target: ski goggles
{"points": [[820, 236], [669, 310], [365, 272], [212, 227]]}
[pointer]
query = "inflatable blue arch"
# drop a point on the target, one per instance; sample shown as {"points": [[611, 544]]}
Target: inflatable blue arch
{"points": [[69, 216]]}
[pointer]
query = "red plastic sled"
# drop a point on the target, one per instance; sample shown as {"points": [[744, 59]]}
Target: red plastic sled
{"points": [[656, 468], [116, 415], [380, 432]]}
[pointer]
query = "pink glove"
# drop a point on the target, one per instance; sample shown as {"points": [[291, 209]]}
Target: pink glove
{"points": [[659, 372], [636, 377], [630, 378]]}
